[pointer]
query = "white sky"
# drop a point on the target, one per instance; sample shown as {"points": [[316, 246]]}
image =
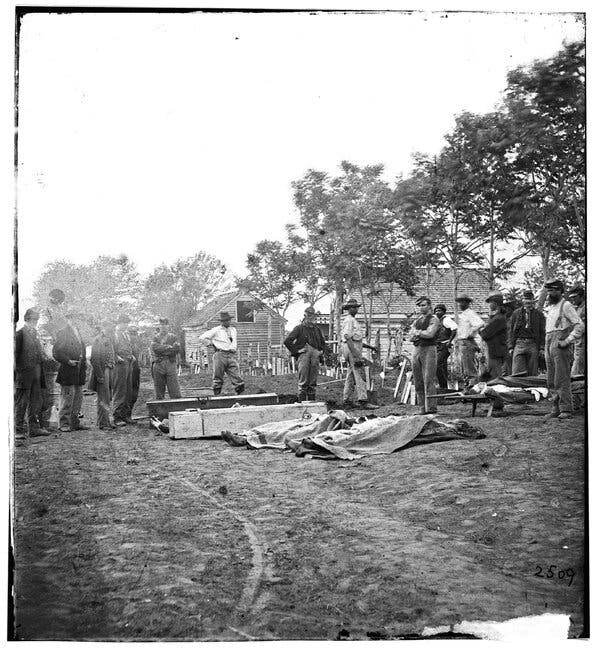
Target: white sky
{"points": [[160, 135]]}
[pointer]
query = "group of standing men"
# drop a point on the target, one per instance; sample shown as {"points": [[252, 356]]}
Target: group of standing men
{"points": [[512, 346], [114, 374]]}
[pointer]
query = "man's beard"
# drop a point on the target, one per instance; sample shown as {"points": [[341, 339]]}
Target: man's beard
{"points": [[554, 299]]}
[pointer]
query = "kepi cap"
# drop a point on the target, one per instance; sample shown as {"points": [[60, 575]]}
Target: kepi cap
{"points": [[31, 314], [310, 311], [422, 299], [225, 315], [495, 297], [441, 307], [463, 297]]}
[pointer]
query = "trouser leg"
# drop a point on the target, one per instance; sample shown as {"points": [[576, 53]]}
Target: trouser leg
{"points": [[47, 400], [232, 369], [76, 407], [349, 384], [561, 359], [67, 394], [135, 385], [303, 375], [360, 383], [417, 368], [172, 380], [21, 404], [35, 402], [122, 388], [159, 380], [467, 361], [313, 374], [218, 372], [578, 367], [103, 400], [442, 366], [428, 366]]}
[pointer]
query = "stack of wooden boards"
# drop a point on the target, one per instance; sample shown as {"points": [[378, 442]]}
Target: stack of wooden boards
{"points": [[404, 385]]}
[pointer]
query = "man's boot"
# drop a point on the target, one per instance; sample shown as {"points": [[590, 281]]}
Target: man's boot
{"points": [[216, 391], [240, 389], [302, 396]]}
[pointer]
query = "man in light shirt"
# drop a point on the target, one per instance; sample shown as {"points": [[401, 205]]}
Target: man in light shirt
{"points": [[468, 325], [224, 339], [352, 344], [577, 299], [563, 328]]}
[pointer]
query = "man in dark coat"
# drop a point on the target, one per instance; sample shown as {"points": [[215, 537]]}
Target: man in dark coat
{"points": [[165, 348], [526, 336], [136, 350], [423, 334], [69, 351], [307, 344], [29, 379], [122, 373], [494, 335], [103, 362]]}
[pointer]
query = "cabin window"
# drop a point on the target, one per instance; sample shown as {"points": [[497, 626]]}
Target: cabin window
{"points": [[245, 311]]}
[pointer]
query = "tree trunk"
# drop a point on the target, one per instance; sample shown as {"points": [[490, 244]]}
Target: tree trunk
{"points": [[545, 259], [492, 261]]}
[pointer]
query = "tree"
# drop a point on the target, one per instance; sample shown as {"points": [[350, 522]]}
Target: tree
{"points": [[348, 234], [108, 285], [544, 106], [176, 291], [273, 273]]}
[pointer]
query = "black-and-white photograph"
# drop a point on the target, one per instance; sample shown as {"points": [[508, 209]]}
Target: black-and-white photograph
{"points": [[299, 324]]}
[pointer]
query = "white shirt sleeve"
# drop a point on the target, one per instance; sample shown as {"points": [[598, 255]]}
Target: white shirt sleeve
{"points": [[449, 323]]}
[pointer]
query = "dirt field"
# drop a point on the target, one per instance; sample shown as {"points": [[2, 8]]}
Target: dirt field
{"points": [[130, 535]]}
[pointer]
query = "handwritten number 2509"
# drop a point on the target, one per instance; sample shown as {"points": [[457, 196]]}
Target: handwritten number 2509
{"points": [[550, 573]]}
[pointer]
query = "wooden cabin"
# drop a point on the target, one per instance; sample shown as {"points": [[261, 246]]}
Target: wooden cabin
{"points": [[260, 329]]}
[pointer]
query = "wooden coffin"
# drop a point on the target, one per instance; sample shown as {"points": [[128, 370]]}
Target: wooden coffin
{"points": [[210, 423]]}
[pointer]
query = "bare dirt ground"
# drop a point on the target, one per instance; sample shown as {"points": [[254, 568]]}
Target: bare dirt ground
{"points": [[130, 535]]}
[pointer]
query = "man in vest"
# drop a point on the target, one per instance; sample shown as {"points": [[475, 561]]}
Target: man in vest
{"points": [[352, 335], [469, 323], [526, 336], [165, 348], [577, 298], [69, 351], [563, 328], [224, 339], [307, 345], [29, 379], [494, 336], [445, 336], [423, 334]]}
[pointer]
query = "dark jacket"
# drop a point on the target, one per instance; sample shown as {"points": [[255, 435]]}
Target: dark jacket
{"points": [[103, 356], [165, 346], [305, 333], [29, 356], [494, 334], [537, 324], [68, 347]]}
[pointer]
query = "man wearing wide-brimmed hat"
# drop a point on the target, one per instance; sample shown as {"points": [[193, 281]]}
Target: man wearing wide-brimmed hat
{"points": [[494, 336], [469, 323], [224, 339], [526, 336], [423, 334], [306, 343], [352, 335], [165, 348], [563, 328]]}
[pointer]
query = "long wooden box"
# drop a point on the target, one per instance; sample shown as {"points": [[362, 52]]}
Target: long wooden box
{"points": [[162, 408], [209, 424]]}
